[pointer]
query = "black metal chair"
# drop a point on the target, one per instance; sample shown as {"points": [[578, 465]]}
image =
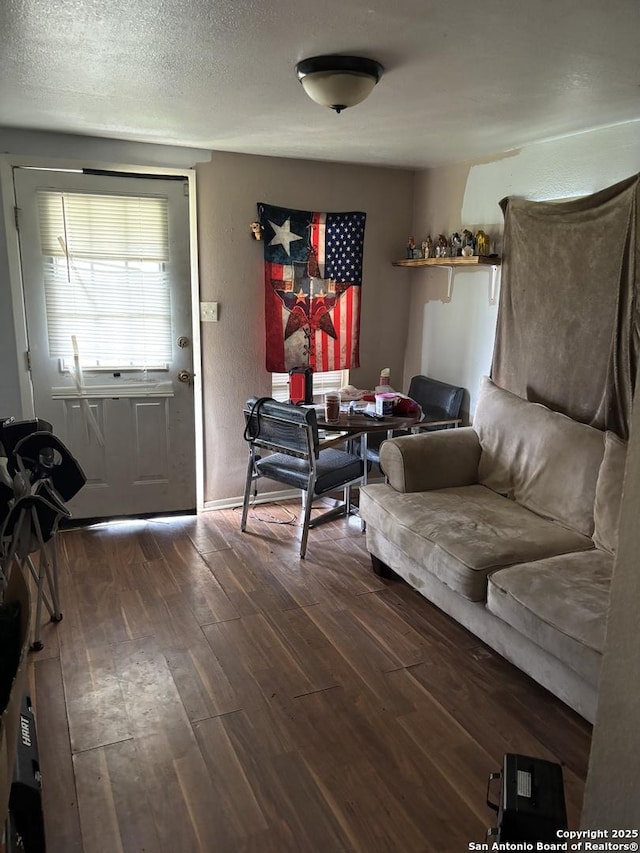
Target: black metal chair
{"points": [[296, 458], [439, 401]]}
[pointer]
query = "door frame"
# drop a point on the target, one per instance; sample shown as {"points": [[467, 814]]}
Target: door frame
{"points": [[8, 162]]}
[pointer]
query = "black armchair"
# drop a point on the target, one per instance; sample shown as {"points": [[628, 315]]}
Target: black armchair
{"points": [[296, 459], [439, 401]]}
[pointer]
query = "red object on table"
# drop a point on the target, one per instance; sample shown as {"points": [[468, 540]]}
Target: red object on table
{"points": [[405, 406]]}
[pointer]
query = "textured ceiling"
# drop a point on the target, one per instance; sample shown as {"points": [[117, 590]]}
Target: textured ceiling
{"points": [[463, 79]]}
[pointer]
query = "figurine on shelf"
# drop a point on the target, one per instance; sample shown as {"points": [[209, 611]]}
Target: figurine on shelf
{"points": [[455, 242], [427, 247], [442, 246], [468, 240], [411, 244], [483, 244]]}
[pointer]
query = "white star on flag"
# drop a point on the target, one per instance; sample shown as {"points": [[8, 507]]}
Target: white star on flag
{"points": [[283, 236]]}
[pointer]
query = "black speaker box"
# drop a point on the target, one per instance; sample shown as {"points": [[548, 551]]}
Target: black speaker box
{"points": [[25, 799], [531, 805]]}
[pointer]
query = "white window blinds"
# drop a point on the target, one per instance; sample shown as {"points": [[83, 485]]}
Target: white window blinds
{"points": [[330, 380], [104, 260]]}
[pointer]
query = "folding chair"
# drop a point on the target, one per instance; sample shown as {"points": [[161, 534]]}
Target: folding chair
{"points": [[31, 528], [45, 475]]}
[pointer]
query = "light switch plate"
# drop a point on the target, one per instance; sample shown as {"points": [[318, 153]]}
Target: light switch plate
{"points": [[209, 312]]}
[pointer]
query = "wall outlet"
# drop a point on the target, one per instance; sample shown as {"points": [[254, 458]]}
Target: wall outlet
{"points": [[208, 312]]}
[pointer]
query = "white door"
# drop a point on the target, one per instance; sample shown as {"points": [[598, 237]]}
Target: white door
{"points": [[107, 289]]}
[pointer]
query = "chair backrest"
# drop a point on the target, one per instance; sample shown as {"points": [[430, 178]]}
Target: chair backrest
{"points": [[281, 426], [12, 431], [41, 455], [437, 399]]}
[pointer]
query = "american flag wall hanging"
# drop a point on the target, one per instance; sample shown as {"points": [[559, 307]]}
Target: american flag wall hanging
{"points": [[313, 277]]}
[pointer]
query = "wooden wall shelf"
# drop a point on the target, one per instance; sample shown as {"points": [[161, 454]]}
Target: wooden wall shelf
{"points": [[451, 264], [473, 261]]}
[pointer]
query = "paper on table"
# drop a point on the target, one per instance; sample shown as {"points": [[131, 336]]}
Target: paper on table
{"points": [[358, 405]]}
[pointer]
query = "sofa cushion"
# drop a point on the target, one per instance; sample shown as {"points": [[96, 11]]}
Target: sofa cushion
{"points": [[542, 459], [560, 604], [462, 534], [435, 460], [609, 493]]}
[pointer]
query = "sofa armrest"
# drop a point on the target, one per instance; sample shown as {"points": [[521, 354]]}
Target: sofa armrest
{"points": [[432, 460]]}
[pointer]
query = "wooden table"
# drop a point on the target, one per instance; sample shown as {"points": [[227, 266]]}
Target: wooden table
{"points": [[359, 423], [359, 426]]}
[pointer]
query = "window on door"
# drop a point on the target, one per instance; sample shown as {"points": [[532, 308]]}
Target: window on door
{"points": [[106, 283]]}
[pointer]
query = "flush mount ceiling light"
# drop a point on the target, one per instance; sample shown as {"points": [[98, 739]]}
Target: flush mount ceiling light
{"points": [[338, 81]]}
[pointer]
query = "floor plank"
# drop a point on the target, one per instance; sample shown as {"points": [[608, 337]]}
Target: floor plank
{"points": [[94, 700], [115, 811], [207, 690], [59, 798]]}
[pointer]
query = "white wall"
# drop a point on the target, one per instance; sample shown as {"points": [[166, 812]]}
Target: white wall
{"points": [[612, 794], [454, 341], [10, 404]]}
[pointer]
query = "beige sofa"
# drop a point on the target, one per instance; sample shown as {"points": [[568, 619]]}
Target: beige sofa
{"points": [[509, 526]]}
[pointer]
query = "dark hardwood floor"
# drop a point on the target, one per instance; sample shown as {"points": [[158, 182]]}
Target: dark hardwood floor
{"points": [[208, 691]]}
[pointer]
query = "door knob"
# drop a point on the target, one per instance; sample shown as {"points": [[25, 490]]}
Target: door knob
{"points": [[184, 376]]}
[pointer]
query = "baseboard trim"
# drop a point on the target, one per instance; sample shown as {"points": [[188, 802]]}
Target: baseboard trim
{"points": [[266, 498]]}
